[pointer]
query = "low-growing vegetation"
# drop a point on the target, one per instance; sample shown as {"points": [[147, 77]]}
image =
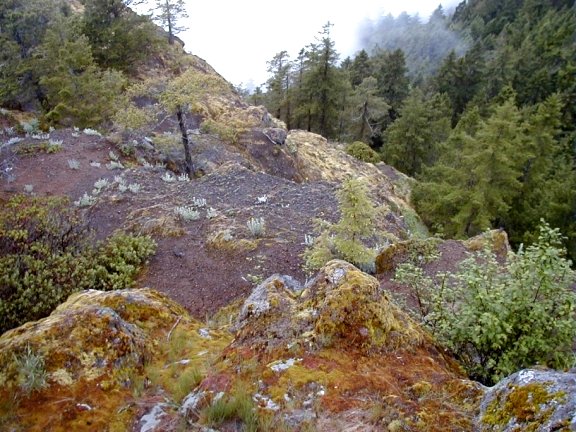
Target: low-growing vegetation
{"points": [[47, 253], [499, 319]]}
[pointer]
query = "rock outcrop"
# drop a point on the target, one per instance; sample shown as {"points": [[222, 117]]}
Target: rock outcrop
{"points": [[334, 354], [530, 400]]}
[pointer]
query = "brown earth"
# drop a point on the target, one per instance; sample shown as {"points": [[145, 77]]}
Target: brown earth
{"points": [[201, 274]]}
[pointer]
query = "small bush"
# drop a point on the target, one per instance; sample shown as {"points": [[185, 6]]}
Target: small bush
{"points": [[256, 226], [500, 319], [47, 253], [363, 152]]}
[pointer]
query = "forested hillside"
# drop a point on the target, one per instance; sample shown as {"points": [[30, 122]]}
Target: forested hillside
{"points": [[479, 107]]}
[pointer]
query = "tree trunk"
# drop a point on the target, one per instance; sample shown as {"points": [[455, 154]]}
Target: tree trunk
{"points": [[185, 142], [169, 19]]}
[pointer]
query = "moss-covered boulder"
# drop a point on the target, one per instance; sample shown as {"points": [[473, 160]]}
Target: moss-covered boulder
{"points": [[82, 367], [338, 354], [530, 400], [424, 251]]}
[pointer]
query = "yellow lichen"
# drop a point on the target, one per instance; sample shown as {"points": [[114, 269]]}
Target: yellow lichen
{"points": [[526, 405], [62, 377]]}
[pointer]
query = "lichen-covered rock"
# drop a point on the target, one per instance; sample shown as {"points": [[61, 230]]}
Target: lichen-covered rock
{"points": [[495, 240], [424, 251], [81, 367], [530, 400], [350, 309], [341, 306], [340, 355]]}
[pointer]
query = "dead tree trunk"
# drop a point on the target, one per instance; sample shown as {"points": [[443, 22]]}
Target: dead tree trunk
{"points": [[185, 142]]}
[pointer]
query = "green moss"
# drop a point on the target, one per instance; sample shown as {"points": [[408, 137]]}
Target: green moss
{"points": [[363, 152], [527, 405]]}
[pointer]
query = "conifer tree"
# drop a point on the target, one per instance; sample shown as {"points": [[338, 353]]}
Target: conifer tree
{"points": [[120, 38], [168, 13], [322, 85], [412, 140], [278, 86], [348, 238], [474, 187], [393, 84], [356, 224], [77, 91], [369, 110]]}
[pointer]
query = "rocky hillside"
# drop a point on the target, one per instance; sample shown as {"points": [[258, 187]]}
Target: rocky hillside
{"points": [[334, 354], [215, 342]]}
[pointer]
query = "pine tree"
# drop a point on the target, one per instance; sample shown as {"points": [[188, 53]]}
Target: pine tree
{"points": [[393, 84], [347, 239], [368, 110], [23, 24], [360, 68], [168, 13], [77, 91], [119, 38], [412, 140], [278, 86], [474, 188], [322, 86], [356, 224]]}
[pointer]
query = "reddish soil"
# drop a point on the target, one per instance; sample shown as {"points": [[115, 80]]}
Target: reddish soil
{"points": [[200, 277]]}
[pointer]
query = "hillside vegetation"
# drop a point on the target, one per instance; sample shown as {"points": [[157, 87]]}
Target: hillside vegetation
{"points": [[176, 255]]}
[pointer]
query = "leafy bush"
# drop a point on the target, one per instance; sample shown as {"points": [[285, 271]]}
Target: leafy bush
{"points": [[363, 152], [47, 253], [499, 319]]}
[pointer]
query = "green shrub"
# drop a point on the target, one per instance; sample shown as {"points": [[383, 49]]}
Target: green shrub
{"points": [[363, 152], [47, 253], [499, 319]]}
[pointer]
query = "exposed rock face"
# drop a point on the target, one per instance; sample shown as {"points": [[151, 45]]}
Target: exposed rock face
{"points": [[530, 400]]}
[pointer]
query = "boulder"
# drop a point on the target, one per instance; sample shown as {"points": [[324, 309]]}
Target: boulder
{"points": [[276, 135], [530, 400]]}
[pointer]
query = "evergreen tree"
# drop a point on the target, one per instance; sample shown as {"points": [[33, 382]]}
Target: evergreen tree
{"points": [[470, 193], [356, 224], [23, 24], [168, 13], [322, 84], [412, 140], [120, 38], [360, 68], [278, 86], [77, 91], [368, 110], [548, 177], [347, 239], [393, 84]]}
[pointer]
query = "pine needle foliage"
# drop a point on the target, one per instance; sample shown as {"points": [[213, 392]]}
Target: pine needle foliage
{"points": [[347, 239]]}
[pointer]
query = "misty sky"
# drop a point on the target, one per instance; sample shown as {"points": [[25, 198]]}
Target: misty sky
{"points": [[237, 38]]}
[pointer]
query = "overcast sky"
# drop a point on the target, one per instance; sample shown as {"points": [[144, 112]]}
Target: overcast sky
{"points": [[238, 37]]}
